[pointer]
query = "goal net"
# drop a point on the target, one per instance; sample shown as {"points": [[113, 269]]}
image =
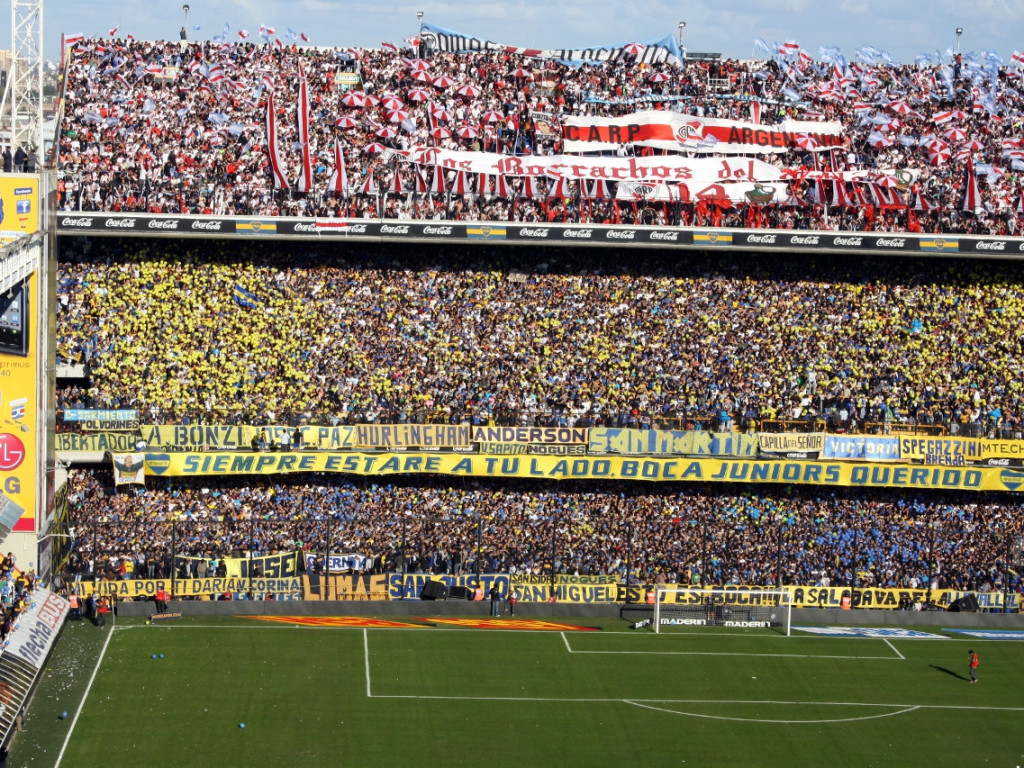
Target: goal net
{"points": [[681, 607]]}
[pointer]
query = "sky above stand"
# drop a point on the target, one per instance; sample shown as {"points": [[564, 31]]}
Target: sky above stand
{"points": [[904, 28]]}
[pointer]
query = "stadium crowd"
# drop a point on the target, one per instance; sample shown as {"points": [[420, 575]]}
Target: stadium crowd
{"points": [[693, 534], [174, 127], [360, 334]]}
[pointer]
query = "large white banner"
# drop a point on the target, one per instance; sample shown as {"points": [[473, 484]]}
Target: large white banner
{"points": [[693, 171], [37, 627], [677, 132]]}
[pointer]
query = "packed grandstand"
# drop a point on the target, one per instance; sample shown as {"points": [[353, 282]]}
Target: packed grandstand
{"points": [[841, 422]]}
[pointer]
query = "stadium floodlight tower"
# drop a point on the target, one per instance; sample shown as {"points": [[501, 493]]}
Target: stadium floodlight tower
{"points": [[24, 92]]}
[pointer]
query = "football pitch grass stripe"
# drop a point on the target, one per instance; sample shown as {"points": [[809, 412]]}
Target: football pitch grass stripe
{"points": [[647, 703], [88, 688]]}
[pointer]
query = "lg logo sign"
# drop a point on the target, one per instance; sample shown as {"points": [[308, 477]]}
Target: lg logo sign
{"points": [[12, 452]]}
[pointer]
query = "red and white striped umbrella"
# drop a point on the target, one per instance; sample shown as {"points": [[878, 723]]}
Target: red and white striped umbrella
{"points": [[416, 65], [418, 94], [440, 113], [346, 122], [522, 74], [469, 90], [440, 133], [370, 100], [466, 132], [442, 82], [659, 77], [955, 134], [877, 139], [391, 102], [805, 142], [386, 132], [946, 117], [374, 148], [633, 49], [937, 155], [973, 146], [491, 116], [421, 76], [887, 182], [396, 115], [354, 99]]}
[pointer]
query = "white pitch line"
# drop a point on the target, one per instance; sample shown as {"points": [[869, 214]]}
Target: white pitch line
{"points": [[366, 656], [81, 704], [781, 722], [636, 702], [894, 648], [565, 640], [753, 655]]}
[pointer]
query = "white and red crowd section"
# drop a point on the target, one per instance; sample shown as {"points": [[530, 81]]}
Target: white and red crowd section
{"points": [[283, 130]]}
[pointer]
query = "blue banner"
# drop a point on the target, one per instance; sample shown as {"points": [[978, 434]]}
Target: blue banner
{"points": [[861, 447]]}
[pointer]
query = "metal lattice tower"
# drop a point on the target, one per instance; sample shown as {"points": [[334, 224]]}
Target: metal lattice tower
{"points": [[24, 94]]}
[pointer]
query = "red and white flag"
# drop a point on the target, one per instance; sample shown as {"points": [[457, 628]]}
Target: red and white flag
{"points": [[389, 47], [437, 185], [303, 36], [755, 112], [113, 32], [972, 195], [305, 181], [338, 183], [280, 182]]}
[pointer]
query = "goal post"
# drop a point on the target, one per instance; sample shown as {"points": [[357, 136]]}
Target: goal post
{"points": [[680, 607]]}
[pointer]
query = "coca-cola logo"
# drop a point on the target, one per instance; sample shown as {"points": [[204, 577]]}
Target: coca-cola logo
{"points": [[578, 234], [76, 222], [356, 229], [804, 240], [991, 245], [400, 229], [163, 224], [762, 239], [671, 237], [533, 232], [206, 226], [119, 223], [850, 241], [300, 227], [891, 242], [999, 462], [620, 234], [437, 230]]}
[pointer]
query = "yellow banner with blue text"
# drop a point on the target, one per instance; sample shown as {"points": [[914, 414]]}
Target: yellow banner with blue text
{"points": [[589, 468]]}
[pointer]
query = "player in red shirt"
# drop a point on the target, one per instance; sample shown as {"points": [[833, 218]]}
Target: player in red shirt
{"points": [[973, 664]]}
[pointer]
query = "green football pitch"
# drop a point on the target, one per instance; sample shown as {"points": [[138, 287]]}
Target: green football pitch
{"points": [[244, 692]]}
